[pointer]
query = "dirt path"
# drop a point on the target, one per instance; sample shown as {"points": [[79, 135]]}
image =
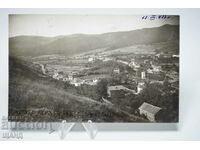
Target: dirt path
{"points": [[42, 67]]}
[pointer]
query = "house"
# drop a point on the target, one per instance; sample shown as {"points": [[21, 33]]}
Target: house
{"points": [[133, 64], [116, 70], [60, 76], [140, 87], [150, 111], [95, 81], [175, 56], [91, 81], [57, 76], [77, 82], [100, 58], [167, 56], [143, 75], [158, 55], [156, 68], [91, 59], [140, 73], [118, 88], [150, 70], [70, 76]]}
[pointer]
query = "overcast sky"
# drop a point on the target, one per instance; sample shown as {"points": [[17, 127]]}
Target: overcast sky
{"points": [[54, 25]]}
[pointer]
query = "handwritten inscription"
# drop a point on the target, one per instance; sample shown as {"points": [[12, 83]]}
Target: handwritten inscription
{"points": [[154, 17]]}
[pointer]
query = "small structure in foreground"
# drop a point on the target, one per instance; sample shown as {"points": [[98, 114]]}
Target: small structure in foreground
{"points": [[150, 111], [118, 88]]}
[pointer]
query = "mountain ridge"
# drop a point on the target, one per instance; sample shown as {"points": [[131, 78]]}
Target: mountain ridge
{"points": [[79, 43]]}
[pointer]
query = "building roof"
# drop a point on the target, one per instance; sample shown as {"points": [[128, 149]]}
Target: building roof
{"points": [[150, 108], [119, 87]]}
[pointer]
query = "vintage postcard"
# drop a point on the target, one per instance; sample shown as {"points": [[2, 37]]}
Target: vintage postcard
{"points": [[103, 68]]}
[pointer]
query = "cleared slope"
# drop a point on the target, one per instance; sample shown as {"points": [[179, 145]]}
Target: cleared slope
{"points": [[36, 98]]}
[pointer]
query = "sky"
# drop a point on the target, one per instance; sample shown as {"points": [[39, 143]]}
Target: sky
{"points": [[55, 25]]}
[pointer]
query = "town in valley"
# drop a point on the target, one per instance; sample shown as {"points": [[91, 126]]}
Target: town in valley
{"points": [[130, 76]]}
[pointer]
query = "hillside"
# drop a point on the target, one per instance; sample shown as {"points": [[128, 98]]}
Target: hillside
{"points": [[79, 43], [39, 98]]}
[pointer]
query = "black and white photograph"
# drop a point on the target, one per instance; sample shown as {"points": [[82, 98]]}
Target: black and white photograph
{"points": [[103, 68]]}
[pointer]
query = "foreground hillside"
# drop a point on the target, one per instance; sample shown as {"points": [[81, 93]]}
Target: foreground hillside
{"points": [[35, 97]]}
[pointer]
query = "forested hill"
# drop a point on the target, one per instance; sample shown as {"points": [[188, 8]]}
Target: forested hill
{"points": [[79, 43]]}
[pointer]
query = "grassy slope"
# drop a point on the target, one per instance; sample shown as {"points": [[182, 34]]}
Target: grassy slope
{"points": [[28, 91]]}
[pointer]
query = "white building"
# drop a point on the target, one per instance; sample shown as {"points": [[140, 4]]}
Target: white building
{"points": [[57, 76], [70, 76], [132, 64], [158, 55], [149, 71], [116, 70], [140, 87], [150, 111], [143, 75], [175, 56], [91, 81], [77, 82], [156, 68], [91, 59], [95, 81]]}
